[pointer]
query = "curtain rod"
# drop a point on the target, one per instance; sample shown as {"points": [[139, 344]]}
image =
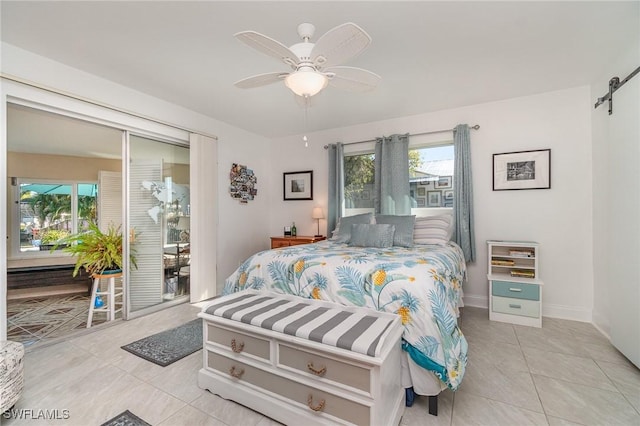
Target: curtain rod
{"points": [[100, 104], [476, 127]]}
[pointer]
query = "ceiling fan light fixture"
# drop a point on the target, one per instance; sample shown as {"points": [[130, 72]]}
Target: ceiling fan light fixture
{"points": [[306, 82]]}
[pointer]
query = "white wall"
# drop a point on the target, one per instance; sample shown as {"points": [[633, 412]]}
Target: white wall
{"points": [[560, 218], [240, 228], [616, 208]]}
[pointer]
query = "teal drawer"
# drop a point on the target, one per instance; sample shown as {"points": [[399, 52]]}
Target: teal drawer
{"points": [[516, 290]]}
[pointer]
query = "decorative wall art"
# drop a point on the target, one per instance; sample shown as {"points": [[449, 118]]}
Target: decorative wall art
{"points": [[434, 198], [443, 182], [298, 185], [522, 170], [243, 183]]}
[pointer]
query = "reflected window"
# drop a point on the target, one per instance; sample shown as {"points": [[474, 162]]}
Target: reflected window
{"points": [[50, 211]]}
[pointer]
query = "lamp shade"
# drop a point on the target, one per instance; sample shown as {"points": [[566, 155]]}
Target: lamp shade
{"points": [[317, 213], [184, 222], [306, 82]]}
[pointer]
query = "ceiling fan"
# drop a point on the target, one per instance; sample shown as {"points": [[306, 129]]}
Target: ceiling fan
{"points": [[314, 65]]}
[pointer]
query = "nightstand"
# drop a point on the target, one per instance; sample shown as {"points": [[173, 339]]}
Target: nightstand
{"points": [[515, 288], [277, 242]]}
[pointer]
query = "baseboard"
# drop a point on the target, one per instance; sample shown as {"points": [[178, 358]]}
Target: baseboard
{"points": [[548, 310], [601, 323], [567, 312], [476, 301]]}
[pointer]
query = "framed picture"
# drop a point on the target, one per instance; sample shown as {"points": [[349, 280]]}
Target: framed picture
{"points": [[443, 182], [434, 198], [420, 202], [448, 195], [522, 170], [422, 192], [298, 185]]}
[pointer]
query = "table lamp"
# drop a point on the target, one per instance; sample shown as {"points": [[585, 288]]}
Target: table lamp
{"points": [[317, 214], [183, 227]]}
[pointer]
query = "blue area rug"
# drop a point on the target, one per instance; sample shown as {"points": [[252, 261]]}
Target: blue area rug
{"points": [[169, 346], [126, 418]]}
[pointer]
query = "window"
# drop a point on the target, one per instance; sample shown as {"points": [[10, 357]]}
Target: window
{"points": [[49, 211], [431, 176], [430, 179], [358, 181]]}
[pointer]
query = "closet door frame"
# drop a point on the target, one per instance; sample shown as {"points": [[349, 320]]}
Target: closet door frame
{"points": [[49, 100]]}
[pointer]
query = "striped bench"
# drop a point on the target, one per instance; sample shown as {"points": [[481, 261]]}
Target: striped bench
{"points": [[292, 359]]}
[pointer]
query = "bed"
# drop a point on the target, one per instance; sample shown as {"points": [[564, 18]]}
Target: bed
{"points": [[421, 282]]}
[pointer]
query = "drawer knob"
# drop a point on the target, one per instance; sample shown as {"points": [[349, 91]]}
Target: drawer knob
{"points": [[315, 371], [514, 306], [515, 289], [235, 347], [237, 374], [318, 407]]}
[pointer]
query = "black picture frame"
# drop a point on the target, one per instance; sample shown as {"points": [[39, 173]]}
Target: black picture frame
{"points": [[434, 198], [522, 170], [297, 185]]}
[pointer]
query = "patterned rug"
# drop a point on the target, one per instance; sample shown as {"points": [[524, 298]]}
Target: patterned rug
{"points": [[169, 346], [126, 418]]}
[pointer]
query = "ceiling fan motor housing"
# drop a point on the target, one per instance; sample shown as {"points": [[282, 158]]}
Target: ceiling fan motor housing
{"points": [[306, 30]]}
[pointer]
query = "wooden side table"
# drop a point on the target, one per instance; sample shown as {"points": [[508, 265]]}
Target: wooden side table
{"points": [[277, 242]]}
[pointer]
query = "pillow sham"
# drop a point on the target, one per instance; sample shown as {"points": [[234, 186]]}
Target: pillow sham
{"points": [[433, 229], [342, 234], [403, 237], [367, 235]]}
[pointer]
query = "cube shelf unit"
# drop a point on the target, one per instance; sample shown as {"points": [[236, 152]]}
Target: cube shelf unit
{"points": [[515, 288]]}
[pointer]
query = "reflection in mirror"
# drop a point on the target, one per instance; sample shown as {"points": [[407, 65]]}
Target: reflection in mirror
{"points": [[53, 164]]}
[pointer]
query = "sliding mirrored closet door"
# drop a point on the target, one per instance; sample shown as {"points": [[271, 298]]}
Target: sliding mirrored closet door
{"points": [[159, 210]]}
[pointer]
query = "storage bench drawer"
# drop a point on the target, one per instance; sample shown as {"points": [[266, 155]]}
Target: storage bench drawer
{"points": [[312, 400], [327, 368], [238, 342], [509, 305], [515, 290]]}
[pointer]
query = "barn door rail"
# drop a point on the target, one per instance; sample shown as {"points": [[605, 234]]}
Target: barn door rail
{"points": [[614, 84]]}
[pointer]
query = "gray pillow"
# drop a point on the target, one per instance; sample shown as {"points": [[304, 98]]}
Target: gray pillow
{"points": [[367, 235], [343, 234], [403, 236]]}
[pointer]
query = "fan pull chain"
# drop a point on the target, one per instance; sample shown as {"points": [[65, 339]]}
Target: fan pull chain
{"points": [[306, 119]]}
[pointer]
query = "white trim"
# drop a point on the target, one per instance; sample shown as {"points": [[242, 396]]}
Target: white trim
{"points": [[203, 180], [103, 105], [548, 310], [567, 312], [476, 301]]}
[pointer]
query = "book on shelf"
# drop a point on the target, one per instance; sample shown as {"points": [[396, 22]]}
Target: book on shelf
{"points": [[523, 273], [503, 262], [520, 253]]}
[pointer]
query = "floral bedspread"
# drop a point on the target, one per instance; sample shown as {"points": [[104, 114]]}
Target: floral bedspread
{"points": [[421, 284]]}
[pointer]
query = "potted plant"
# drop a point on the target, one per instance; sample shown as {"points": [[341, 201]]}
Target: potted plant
{"points": [[98, 252]]}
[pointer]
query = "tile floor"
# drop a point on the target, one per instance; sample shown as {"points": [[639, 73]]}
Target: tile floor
{"points": [[563, 374]]}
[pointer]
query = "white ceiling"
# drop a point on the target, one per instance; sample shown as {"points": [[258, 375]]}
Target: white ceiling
{"points": [[431, 55]]}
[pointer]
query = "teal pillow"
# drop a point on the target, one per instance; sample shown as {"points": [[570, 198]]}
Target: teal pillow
{"points": [[403, 236], [367, 235], [343, 234]]}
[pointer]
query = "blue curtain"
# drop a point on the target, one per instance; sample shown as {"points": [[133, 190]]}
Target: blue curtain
{"points": [[336, 186], [392, 175], [463, 233]]}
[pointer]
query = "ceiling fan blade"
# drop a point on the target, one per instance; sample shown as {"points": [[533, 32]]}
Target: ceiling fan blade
{"points": [[260, 80], [339, 44], [268, 46], [352, 79]]}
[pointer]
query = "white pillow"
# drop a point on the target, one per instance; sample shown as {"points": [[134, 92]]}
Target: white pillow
{"points": [[433, 229]]}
